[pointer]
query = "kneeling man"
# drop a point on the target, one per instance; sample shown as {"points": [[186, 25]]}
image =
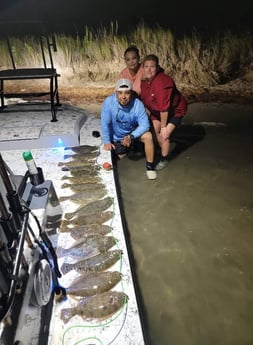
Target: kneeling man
{"points": [[124, 120]]}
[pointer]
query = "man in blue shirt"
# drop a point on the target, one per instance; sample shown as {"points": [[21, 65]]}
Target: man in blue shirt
{"points": [[124, 120]]}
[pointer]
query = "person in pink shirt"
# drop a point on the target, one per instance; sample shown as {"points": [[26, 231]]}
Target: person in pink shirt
{"points": [[165, 104], [133, 70]]}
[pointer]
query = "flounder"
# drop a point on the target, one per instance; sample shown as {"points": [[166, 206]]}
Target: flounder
{"points": [[93, 283], [77, 170], [75, 163], [95, 263], [93, 207], [82, 156], [79, 232], [94, 218], [86, 196], [83, 248], [99, 306], [82, 148]]}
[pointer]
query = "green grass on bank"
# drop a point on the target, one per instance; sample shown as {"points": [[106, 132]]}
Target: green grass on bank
{"points": [[96, 57]]}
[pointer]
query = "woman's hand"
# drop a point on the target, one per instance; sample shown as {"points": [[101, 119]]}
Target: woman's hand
{"points": [[164, 133]]}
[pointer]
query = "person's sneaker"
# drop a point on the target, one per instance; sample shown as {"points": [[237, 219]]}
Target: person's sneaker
{"points": [[161, 165], [151, 174]]}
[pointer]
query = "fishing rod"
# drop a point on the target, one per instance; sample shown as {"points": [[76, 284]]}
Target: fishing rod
{"points": [[7, 223], [12, 196]]}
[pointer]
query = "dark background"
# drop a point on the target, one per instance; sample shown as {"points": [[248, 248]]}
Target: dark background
{"points": [[72, 16]]}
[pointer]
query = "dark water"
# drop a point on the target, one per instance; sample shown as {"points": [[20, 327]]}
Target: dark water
{"points": [[191, 231]]}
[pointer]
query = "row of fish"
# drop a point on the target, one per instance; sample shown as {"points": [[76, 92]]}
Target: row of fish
{"points": [[91, 255]]}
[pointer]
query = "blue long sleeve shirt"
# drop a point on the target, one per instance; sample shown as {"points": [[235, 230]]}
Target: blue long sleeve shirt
{"points": [[118, 121]]}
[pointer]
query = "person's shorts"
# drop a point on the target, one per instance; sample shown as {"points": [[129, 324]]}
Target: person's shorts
{"points": [[121, 149], [175, 120]]}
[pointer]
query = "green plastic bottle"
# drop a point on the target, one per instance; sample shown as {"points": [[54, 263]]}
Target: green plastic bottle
{"points": [[31, 166]]}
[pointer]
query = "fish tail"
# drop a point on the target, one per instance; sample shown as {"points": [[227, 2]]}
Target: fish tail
{"points": [[66, 267], [64, 223], [69, 215], [60, 252], [66, 314], [63, 198], [64, 168], [64, 228]]}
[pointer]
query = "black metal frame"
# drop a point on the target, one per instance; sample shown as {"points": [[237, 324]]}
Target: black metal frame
{"points": [[34, 73]]}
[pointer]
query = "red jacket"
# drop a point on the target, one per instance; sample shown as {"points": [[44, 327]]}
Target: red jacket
{"points": [[161, 94]]}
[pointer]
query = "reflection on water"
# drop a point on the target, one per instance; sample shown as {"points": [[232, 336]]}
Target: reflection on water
{"points": [[191, 233]]}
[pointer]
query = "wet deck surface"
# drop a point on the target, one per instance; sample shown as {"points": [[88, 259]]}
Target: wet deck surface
{"points": [[47, 141]]}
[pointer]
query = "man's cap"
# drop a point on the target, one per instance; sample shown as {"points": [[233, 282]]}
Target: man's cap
{"points": [[123, 84]]}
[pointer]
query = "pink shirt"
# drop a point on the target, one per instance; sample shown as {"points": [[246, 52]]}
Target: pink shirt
{"points": [[136, 79]]}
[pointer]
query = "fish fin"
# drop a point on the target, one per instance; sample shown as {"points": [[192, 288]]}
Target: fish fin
{"points": [[66, 314], [66, 267]]}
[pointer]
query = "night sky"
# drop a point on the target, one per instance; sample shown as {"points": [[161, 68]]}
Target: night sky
{"points": [[71, 16]]}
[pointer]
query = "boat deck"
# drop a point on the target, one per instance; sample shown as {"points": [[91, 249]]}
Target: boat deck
{"points": [[26, 129]]}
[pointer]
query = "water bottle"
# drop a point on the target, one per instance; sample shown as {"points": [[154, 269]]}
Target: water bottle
{"points": [[31, 166]]}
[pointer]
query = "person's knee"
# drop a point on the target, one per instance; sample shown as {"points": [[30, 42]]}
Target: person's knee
{"points": [[146, 137]]}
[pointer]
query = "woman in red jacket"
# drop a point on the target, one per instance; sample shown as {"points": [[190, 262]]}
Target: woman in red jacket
{"points": [[165, 105]]}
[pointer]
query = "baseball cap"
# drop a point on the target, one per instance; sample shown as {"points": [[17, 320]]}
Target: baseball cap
{"points": [[123, 84]]}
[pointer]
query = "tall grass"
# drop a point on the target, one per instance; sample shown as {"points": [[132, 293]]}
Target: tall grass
{"points": [[96, 56]]}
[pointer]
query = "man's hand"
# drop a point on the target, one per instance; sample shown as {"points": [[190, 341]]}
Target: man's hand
{"points": [[109, 147], [126, 141]]}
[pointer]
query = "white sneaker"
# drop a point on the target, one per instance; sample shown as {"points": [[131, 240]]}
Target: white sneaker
{"points": [[151, 174], [161, 165]]}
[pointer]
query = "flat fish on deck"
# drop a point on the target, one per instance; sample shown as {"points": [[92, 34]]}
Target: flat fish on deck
{"points": [[84, 247], [79, 232], [99, 306], [82, 148], [85, 197], [89, 186], [93, 283], [80, 187], [77, 170], [82, 156], [95, 263], [83, 176], [94, 218], [75, 163], [93, 207]]}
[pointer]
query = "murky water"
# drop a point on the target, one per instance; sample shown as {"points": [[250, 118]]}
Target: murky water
{"points": [[191, 231]]}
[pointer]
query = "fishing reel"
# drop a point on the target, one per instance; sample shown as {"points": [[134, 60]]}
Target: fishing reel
{"points": [[42, 284]]}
